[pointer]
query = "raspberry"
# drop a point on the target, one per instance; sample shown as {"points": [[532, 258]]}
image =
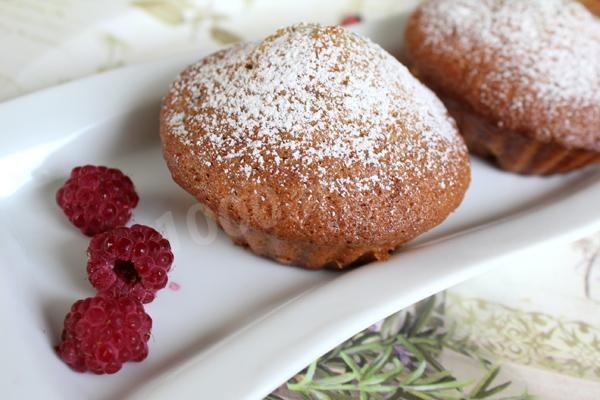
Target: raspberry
{"points": [[97, 199], [101, 333], [129, 262], [350, 20]]}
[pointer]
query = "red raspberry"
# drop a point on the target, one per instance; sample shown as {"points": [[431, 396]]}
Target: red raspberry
{"points": [[350, 20], [129, 262], [102, 332], [97, 199]]}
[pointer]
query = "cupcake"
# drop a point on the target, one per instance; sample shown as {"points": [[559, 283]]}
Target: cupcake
{"points": [[593, 5], [521, 78], [314, 147]]}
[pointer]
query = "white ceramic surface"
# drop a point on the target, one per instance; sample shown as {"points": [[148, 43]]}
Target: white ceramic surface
{"points": [[239, 325]]}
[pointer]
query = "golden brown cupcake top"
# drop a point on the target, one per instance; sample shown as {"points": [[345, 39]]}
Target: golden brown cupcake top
{"points": [[323, 118], [531, 66]]}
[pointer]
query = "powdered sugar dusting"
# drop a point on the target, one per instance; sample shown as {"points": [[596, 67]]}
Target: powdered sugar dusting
{"points": [[545, 57], [314, 102], [176, 122]]}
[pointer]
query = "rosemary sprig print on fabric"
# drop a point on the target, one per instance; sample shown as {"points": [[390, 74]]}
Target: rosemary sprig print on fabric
{"points": [[398, 358]]}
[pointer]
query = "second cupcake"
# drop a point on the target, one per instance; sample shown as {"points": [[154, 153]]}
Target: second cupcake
{"points": [[521, 77]]}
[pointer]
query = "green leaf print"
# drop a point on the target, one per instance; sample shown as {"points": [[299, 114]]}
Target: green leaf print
{"points": [[223, 36], [167, 12]]}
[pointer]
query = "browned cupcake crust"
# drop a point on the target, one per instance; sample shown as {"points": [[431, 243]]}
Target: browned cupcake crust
{"points": [[592, 5], [314, 147], [528, 69]]}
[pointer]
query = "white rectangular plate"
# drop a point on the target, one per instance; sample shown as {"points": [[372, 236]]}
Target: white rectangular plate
{"points": [[239, 325]]}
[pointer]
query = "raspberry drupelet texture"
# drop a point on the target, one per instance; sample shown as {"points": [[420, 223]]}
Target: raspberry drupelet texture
{"points": [[97, 199], [102, 332], [131, 262]]}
